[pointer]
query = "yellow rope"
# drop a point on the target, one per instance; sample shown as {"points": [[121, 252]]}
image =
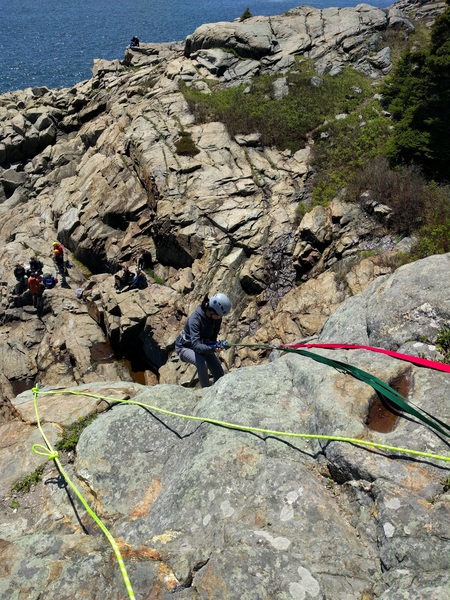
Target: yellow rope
{"points": [[331, 438], [52, 454]]}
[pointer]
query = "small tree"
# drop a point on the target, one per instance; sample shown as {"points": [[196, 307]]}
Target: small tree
{"points": [[245, 15]]}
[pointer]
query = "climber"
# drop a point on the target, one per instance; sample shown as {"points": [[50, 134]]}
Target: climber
{"points": [[58, 257], [195, 344], [139, 282], [19, 274], [57, 246], [36, 290]]}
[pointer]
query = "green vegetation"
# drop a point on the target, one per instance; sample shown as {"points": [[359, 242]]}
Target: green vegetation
{"points": [[346, 147], [446, 483], [24, 485], [418, 95], [404, 166], [81, 267], [71, 433], [400, 41], [434, 235], [443, 342], [14, 504], [283, 122], [185, 145], [151, 273], [245, 15]]}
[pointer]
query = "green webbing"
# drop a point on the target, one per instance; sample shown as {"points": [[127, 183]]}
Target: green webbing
{"points": [[378, 385]]}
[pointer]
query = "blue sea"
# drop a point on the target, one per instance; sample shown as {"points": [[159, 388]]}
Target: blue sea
{"points": [[53, 43]]}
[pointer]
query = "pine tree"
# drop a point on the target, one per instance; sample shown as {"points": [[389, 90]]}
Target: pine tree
{"points": [[419, 99]]}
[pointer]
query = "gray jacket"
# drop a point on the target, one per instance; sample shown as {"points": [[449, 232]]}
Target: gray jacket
{"points": [[199, 330]]}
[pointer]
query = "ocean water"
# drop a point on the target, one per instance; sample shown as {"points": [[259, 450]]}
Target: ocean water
{"points": [[53, 43]]}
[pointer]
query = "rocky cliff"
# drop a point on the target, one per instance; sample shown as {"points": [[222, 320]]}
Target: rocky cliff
{"points": [[198, 510], [96, 167]]}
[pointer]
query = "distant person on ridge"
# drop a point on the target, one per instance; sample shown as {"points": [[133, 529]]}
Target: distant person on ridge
{"points": [[144, 260], [134, 42], [120, 281], [195, 343]]}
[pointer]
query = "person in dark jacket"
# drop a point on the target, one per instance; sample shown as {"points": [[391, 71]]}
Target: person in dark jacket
{"points": [[19, 274], [36, 266], [126, 278], [195, 344], [138, 283]]}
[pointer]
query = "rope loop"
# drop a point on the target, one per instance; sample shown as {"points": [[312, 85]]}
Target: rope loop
{"points": [[44, 451]]}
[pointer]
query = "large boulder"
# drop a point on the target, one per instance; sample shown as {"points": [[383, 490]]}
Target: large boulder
{"points": [[332, 37], [411, 305], [211, 511]]}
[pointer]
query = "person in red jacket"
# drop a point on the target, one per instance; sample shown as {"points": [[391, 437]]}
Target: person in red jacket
{"points": [[57, 246], [36, 290], [58, 257]]}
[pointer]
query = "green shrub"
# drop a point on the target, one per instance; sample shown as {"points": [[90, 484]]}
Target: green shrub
{"points": [[343, 148], [151, 273], [24, 485], [245, 15], [401, 41], [434, 235], [301, 210], [185, 146], [418, 97], [404, 190], [71, 433]]}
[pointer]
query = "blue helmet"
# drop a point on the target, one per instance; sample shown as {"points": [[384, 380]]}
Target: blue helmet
{"points": [[220, 304]]}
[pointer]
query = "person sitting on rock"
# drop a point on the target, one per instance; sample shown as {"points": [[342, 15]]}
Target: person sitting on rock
{"points": [[120, 281], [49, 281], [139, 282], [19, 274], [36, 266], [134, 42], [36, 290]]}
